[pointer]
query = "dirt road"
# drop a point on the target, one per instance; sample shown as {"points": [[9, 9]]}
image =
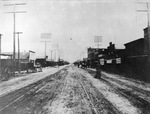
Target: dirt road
{"points": [[72, 91]]}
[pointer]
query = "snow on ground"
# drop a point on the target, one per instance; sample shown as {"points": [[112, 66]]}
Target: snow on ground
{"points": [[71, 100], [121, 103], [58, 105], [129, 81], [20, 82], [129, 84]]}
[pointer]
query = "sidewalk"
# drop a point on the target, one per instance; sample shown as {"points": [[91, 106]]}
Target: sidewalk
{"points": [[20, 82]]}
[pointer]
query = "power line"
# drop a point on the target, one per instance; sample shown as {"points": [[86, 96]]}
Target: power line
{"points": [[89, 1], [98, 1], [15, 4]]}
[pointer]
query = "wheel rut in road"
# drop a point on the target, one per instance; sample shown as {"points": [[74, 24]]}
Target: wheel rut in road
{"points": [[138, 97], [79, 96], [71, 99], [99, 102], [30, 99], [68, 91]]}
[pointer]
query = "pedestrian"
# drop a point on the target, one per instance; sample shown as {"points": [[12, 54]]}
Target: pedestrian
{"points": [[78, 64], [98, 70]]}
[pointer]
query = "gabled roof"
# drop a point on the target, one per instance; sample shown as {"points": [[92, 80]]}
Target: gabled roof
{"points": [[23, 55], [146, 28], [119, 46]]}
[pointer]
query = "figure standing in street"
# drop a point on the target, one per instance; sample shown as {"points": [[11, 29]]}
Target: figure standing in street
{"points": [[78, 64], [98, 70]]}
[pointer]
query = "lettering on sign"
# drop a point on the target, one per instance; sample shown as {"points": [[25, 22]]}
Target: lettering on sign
{"points": [[109, 61], [102, 61], [118, 60]]}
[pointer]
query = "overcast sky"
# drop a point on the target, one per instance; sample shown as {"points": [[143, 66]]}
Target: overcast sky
{"points": [[72, 24]]}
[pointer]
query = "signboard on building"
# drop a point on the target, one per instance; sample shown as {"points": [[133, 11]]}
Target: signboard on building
{"points": [[109, 61], [118, 60], [31, 55], [102, 61]]}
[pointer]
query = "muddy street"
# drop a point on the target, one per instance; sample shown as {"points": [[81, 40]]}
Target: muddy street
{"points": [[73, 90]]}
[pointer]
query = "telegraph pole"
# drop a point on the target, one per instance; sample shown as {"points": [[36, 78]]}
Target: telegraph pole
{"points": [[148, 27], [0, 56], [45, 46], [19, 51], [55, 48], [51, 55], [147, 12], [54, 55], [14, 16]]}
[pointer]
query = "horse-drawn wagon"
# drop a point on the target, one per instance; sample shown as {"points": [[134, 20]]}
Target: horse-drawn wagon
{"points": [[6, 66], [25, 63]]}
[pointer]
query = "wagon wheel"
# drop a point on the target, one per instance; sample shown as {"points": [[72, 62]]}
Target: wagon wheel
{"points": [[34, 70], [7, 73], [40, 69]]}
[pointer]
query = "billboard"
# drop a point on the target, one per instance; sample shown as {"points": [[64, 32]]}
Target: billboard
{"points": [[97, 39], [46, 36], [118, 60], [31, 55], [55, 46]]}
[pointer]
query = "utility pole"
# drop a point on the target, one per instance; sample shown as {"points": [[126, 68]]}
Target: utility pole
{"points": [[46, 37], [45, 46], [59, 60], [147, 12], [148, 29], [19, 51], [14, 16], [54, 55], [51, 55], [55, 48], [0, 56], [97, 40]]}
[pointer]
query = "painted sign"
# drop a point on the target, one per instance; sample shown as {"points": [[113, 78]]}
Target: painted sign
{"points": [[102, 61], [118, 60], [109, 61]]}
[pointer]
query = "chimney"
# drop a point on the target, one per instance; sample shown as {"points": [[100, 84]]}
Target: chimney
{"points": [[110, 43]]}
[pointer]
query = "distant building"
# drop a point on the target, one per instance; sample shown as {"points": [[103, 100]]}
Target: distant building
{"points": [[95, 54], [115, 51], [139, 47], [25, 57], [135, 48], [42, 60]]}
